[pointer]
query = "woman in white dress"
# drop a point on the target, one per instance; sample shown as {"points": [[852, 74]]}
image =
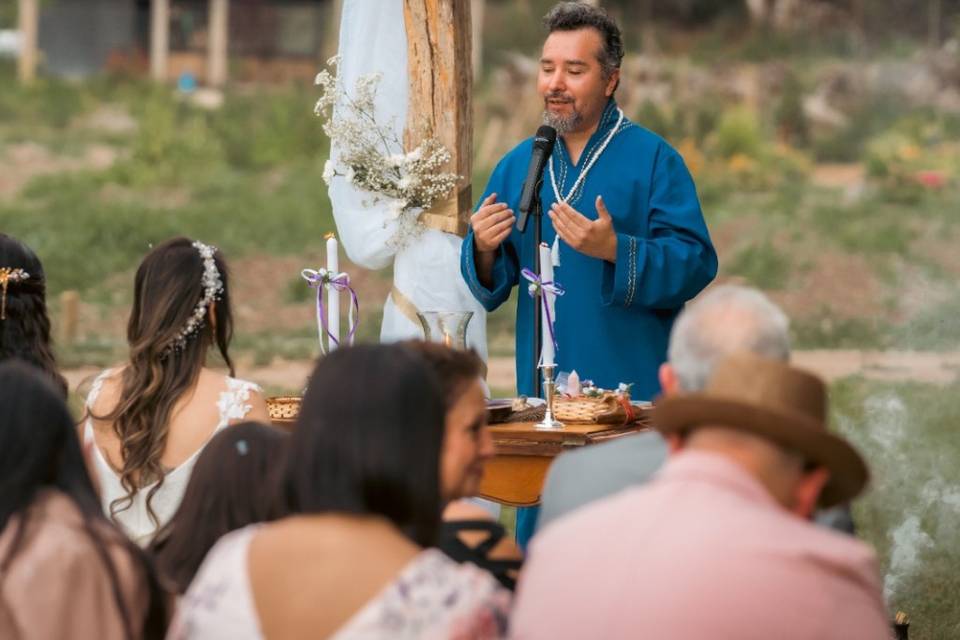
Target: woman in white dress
{"points": [[149, 419], [355, 561]]}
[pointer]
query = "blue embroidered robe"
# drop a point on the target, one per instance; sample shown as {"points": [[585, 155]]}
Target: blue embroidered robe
{"points": [[613, 323]]}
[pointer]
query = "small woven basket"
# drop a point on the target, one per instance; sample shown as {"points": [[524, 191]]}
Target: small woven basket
{"points": [[283, 408], [607, 409]]}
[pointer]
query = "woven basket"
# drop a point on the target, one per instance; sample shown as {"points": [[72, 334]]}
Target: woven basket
{"points": [[283, 408], [607, 409]]}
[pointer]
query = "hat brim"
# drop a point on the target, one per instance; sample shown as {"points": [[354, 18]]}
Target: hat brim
{"points": [[848, 471]]}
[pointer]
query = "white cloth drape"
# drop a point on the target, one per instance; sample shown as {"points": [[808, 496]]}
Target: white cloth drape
{"points": [[426, 270]]}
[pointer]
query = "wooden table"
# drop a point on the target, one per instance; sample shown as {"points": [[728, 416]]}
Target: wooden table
{"points": [[516, 474]]}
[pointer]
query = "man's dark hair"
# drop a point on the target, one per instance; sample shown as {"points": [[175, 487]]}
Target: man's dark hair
{"points": [[571, 16]]}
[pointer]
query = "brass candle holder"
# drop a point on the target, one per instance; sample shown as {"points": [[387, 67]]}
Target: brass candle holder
{"points": [[549, 392]]}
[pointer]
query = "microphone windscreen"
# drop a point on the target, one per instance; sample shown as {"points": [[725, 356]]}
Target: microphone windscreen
{"points": [[546, 137]]}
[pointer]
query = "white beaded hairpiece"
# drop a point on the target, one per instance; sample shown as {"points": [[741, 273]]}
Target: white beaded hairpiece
{"points": [[212, 288], [8, 275]]}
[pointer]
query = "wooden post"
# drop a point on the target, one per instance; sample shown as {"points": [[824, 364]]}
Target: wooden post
{"points": [[27, 17], [438, 49], [159, 39], [70, 314], [934, 13], [476, 17], [331, 39], [217, 23]]}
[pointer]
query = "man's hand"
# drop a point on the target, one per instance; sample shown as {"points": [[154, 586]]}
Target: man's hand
{"points": [[594, 238], [492, 223]]}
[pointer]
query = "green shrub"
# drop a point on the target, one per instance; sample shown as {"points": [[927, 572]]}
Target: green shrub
{"points": [[762, 265], [738, 133]]}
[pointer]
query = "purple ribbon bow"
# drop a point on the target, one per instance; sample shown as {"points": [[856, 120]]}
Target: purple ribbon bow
{"points": [[317, 278], [536, 288]]}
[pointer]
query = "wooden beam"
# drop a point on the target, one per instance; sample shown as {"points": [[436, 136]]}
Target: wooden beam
{"points": [[217, 42], [476, 34], [440, 99], [27, 18], [331, 36], [159, 39]]}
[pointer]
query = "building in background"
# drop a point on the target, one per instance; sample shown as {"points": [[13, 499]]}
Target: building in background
{"points": [[266, 40]]}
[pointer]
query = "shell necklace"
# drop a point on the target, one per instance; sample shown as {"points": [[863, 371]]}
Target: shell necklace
{"points": [[590, 162]]}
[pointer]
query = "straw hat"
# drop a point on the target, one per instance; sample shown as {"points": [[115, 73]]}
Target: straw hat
{"points": [[772, 400]]}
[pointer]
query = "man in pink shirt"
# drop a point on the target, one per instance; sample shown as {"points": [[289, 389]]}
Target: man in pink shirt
{"points": [[720, 544]]}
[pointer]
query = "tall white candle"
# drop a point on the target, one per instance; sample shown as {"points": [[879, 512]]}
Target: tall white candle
{"points": [[333, 296], [547, 353]]}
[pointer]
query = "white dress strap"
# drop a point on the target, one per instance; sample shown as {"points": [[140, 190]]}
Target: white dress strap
{"points": [[234, 402], [95, 388]]}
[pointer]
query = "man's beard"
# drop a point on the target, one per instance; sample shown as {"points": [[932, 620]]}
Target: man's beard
{"points": [[563, 124]]}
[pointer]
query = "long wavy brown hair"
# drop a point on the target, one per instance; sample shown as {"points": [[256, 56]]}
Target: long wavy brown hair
{"points": [[166, 290]]}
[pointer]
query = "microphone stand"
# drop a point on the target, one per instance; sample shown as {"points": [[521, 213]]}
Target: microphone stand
{"points": [[537, 300]]}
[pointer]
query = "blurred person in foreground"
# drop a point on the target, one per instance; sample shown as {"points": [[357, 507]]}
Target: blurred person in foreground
{"points": [[232, 485], [468, 533], [363, 480], [723, 320], [65, 571], [720, 544], [24, 323], [148, 420]]}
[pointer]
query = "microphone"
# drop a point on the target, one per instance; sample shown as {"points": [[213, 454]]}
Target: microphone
{"points": [[542, 148]]}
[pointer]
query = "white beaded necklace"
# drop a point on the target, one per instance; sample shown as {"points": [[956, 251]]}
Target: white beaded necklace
{"points": [[590, 162]]}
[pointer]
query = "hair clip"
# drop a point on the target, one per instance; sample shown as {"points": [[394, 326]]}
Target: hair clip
{"points": [[8, 275]]}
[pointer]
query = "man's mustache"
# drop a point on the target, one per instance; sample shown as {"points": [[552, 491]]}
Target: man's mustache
{"points": [[562, 97]]}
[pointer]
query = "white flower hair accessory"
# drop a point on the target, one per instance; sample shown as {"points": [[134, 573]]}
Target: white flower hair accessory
{"points": [[212, 288]]}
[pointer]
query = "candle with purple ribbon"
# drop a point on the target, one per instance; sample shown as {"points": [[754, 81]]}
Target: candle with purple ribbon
{"points": [[548, 352], [321, 280], [543, 289], [333, 294]]}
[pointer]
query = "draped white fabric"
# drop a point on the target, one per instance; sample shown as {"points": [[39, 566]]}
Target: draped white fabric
{"points": [[427, 269]]}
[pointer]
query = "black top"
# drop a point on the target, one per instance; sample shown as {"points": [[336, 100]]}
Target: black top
{"points": [[451, 544]]}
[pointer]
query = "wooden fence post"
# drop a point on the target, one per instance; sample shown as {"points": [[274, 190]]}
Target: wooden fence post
{"points": [[70, 316], [159, 39], [217, 42], [27, 18]]}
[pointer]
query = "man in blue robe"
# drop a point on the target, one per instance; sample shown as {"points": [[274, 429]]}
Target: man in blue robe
{"points": [[633, 245]]}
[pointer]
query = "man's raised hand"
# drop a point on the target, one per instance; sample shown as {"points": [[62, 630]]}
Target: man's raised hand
{"points": [[595, 238], [491, 224]]}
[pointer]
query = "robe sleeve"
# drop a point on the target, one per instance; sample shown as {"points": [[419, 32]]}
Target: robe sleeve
{"points": [[677, 259], [506, 265]]}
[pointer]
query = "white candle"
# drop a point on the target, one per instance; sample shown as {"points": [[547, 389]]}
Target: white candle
{"points": [[547, 353], [333, 296]]}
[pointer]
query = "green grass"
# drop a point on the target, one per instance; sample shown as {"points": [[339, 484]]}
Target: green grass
{"points": [[762, 265], [908, 434]]}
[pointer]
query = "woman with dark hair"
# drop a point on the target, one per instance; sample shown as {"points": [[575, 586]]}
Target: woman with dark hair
{"points": [[150, 418], [469, 532], [24, 324], [65, 571], [230, 487], [363, 478]]}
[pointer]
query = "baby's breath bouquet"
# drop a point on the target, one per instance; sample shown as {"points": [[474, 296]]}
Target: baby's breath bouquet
{"points": [[370, 154]]}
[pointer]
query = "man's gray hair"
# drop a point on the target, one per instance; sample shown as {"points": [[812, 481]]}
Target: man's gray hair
{"points": [[572, 16], [726, 319]]}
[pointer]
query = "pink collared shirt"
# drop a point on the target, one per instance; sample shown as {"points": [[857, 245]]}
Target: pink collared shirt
{"points": [[702, 552]]}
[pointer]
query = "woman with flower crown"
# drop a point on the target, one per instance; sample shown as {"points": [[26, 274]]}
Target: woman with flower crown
{"points": [[149, 419]]}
